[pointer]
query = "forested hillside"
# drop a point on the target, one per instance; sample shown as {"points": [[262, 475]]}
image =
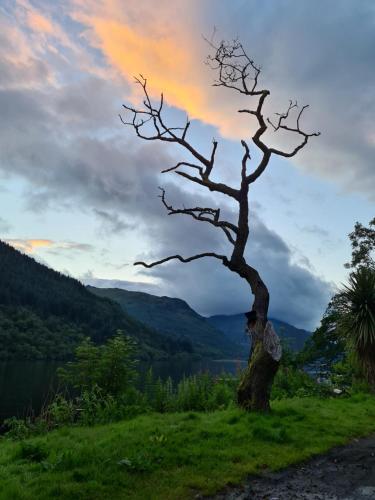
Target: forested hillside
{"points": [[43, 313], [175, 318]]}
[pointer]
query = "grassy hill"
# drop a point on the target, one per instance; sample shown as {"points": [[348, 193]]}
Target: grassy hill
{"points": [[233, 326], [43, 313], [178, 456], [175, 318]]}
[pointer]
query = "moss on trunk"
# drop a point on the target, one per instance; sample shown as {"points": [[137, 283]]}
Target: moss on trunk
{"points": [[256, 383]]}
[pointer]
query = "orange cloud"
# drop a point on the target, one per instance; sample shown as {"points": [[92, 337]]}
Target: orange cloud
{"points": [[37, 22], [28, 246], [166, 46], [31, 245]]}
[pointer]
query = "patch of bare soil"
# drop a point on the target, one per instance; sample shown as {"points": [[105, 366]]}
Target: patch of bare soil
{"points": [[345, 473]]}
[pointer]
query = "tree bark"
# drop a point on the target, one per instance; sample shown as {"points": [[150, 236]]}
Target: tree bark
{"points": [[254, 390]]}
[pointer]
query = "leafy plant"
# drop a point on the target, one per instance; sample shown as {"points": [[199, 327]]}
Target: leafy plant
{"points": [[110, 367], [17, 428], [357, 318]]}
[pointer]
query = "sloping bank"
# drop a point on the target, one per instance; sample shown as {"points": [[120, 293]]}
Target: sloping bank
{"points": [[177, 456]]}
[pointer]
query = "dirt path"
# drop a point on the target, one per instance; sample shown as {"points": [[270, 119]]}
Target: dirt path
{"points": [[345, 473]]}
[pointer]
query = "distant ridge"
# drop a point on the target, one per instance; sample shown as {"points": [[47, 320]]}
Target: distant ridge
{"points": [[215, 336], [233, 326], [44, 314], [175, 318]]}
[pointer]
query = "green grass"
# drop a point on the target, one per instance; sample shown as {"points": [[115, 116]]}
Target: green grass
{"points": [[175, 456]]}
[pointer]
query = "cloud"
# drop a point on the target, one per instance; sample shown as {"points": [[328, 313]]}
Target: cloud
{"points": [[315, 230], [33, 245], [29, 246], [138, 286], [297, 295], [338, 84], [59, 96], [111, 222]]}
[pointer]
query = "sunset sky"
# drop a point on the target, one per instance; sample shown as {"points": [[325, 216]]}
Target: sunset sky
{"points": [[79, 191]]}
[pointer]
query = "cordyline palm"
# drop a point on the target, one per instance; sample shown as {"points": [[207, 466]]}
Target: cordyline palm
{"points": [[357, 305]]}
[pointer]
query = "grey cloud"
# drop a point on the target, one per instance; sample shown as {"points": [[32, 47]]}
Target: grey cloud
{"points": [[113, 176], [24, 72], [124, 284], [315, 230], [111, 222], [297, 295], [322, 54]]}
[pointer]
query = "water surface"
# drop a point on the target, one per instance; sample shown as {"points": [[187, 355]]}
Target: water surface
{"points": [[25, 386]]}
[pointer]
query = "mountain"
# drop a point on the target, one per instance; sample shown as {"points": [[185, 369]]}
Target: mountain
{"points": [[44, 314], [233, 326], [175, 318]]}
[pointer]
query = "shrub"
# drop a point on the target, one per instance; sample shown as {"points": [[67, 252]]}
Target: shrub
{"points": [[292, 382], [17, 428], [111, 367]]}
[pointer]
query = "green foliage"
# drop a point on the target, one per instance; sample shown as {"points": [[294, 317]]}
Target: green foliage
{"points": [[326, 343], [202, 392], [363, 245], [357, 301], [105, 377], [356, 304], [59, 412], [17, 428], [110, 367], [293, 382], [26, 335]]}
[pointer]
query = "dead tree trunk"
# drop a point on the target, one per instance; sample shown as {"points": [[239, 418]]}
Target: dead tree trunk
{"points": [[256, 382], [236, 71]]}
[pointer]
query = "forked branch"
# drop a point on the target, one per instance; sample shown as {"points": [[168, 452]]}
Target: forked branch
{"points": [[282, 124], [203, 214], [149, 125]]}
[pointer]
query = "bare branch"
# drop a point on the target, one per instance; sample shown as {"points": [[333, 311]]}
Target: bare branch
{"points": [[181, 164], [281, 124], [245, 157], [260, 168], [235, 68], [203, 214], [153, 115], [209, 167], [212, 186], [223, 258]]}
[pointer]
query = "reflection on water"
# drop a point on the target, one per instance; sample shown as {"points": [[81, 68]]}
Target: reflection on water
{"points": [[26, 385], [177, 369]]}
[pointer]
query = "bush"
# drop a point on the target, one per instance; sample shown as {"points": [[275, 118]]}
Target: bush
{"points": [[111, 367], [17, 428], [291, 382]]}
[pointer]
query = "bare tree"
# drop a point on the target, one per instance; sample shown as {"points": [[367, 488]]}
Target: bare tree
{"points": [[238, 72]]}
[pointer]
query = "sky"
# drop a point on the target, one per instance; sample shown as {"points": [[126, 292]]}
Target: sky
{"points": [[79, 191]]}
